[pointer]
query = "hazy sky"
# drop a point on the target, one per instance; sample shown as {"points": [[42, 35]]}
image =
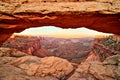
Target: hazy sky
{"points": [[52, 31]]}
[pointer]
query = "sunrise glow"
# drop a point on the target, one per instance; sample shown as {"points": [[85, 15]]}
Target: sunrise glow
{"points": [[51, 31]]}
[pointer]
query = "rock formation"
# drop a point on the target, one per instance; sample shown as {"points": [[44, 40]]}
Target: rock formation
{"points": [[32, 67], [15, 65], [104, 47], [27, 44], [74, 49], [11, 52], [109, 69], [42, 53], [17, 15]]}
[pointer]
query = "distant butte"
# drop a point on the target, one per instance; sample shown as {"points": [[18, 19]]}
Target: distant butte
{"points": [[18, 15]]}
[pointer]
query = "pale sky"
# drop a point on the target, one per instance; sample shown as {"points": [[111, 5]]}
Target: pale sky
{"points": [[52, 31]]}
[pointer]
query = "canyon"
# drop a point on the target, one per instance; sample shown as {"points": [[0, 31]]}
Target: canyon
{"points": [[101, 63], [73, 49]]}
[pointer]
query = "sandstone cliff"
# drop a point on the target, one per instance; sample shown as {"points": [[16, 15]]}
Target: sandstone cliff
{"points": [[75, 50], [104, 48], [109, 69], [42, 53], [27, 44]]}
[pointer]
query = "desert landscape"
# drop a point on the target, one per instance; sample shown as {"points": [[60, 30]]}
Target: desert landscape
{"points": [[49, 58], [81, 41], [72, 49]]}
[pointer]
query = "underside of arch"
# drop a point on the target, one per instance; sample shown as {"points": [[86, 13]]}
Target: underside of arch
{"points": [[100, 15]]}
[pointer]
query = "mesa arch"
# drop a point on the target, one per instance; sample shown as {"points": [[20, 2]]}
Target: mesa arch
{"points": [[100, 15]]}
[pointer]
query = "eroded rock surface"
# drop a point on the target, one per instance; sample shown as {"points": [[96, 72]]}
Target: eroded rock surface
{"points": [[53, 68], [101, 15], [32, 67], [107, 70], [42, 53], [104, 47], [35, 66], [27, 44], [7, 52]]}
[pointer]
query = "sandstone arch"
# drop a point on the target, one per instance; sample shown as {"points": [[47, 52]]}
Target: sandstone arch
{"points": [[17, 15]]}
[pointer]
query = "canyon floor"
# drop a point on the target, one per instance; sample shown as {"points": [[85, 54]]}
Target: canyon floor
{"points": [[41, 62]]}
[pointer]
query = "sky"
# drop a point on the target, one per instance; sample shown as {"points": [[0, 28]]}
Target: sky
{"points": [[51, 31]]}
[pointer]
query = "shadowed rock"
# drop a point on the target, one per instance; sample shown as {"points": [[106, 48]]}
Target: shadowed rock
{"points": [[101, 15]]}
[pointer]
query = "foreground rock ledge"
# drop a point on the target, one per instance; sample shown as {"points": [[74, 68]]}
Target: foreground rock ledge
{"points": [[101, 15], [16, 65]]}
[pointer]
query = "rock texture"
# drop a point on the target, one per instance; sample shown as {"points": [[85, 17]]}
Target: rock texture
{"points": [[31, 67], [11, 52], [92, 57], [75, 50], [101, 15], [27, 44], [42, 53], [35, 66], [105, 47], [107, 70], [19, 66]]}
